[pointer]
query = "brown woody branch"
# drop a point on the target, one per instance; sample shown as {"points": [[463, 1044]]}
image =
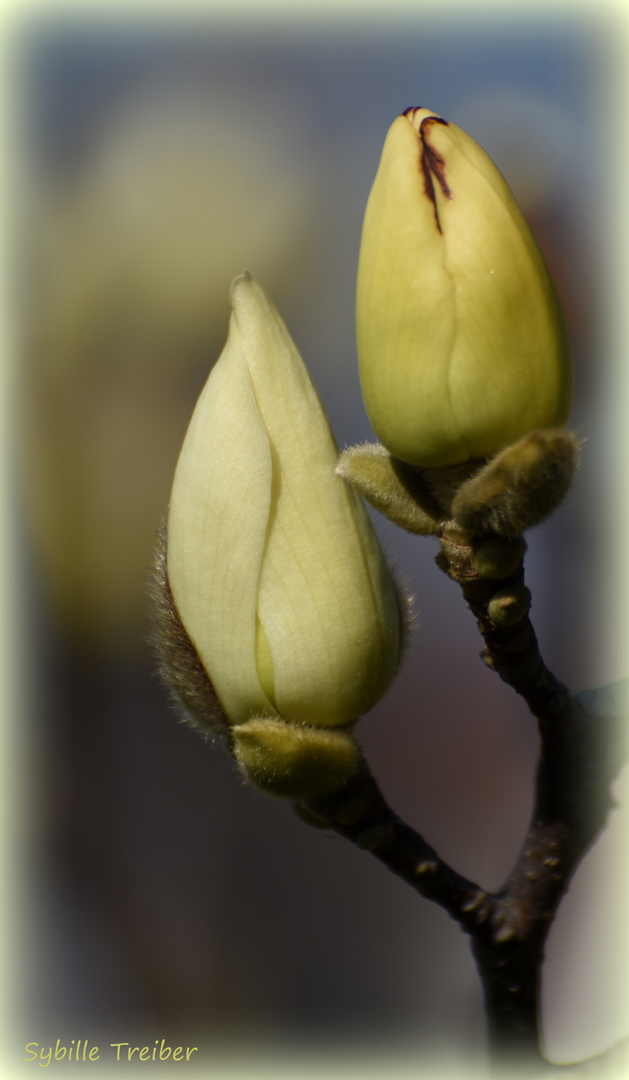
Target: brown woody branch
{"points": [[581, 750]]}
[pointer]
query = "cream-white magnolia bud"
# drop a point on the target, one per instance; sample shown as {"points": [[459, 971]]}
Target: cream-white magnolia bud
{"points": [[461, 339], [273, 564]]}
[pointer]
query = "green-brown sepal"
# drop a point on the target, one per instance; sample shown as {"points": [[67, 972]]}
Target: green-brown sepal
{"points": [[392, 487], [295, 761], [520, 486]]}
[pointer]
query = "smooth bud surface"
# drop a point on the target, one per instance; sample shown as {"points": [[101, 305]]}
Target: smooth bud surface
{"points": [[461, 339], [273, 564]]}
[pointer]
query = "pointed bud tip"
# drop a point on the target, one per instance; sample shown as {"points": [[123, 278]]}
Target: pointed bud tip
{"points": [[246, 278]]}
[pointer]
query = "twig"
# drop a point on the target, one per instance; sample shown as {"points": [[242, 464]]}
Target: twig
{"points": [[581, 750]]}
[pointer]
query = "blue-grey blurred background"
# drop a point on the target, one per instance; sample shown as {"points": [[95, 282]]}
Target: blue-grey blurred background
{"points": [[157, 160]]}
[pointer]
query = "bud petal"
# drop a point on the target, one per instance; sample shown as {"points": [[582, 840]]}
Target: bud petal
{"points": [[273, 564], [461, 340], [217, 523]]}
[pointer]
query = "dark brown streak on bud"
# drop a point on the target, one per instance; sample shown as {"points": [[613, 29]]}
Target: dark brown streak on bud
{"points": [[433, 164]]}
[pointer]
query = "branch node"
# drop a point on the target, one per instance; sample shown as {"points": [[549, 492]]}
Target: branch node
{"points": [[503, 934], [427, 866], [475, 900]]}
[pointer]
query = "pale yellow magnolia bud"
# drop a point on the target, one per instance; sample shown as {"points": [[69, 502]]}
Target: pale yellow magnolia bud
{"points": [[461, 339], [273, 564]]}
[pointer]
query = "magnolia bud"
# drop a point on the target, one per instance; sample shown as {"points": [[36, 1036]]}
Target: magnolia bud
{"points": [[461, 339], [273, 564]]}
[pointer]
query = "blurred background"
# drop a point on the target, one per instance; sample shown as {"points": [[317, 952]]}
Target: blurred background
{"points": [[158, 159]]}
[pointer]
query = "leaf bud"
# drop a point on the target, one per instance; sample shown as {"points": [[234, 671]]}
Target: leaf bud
{"points": [[497, 558], [508, 606]]}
